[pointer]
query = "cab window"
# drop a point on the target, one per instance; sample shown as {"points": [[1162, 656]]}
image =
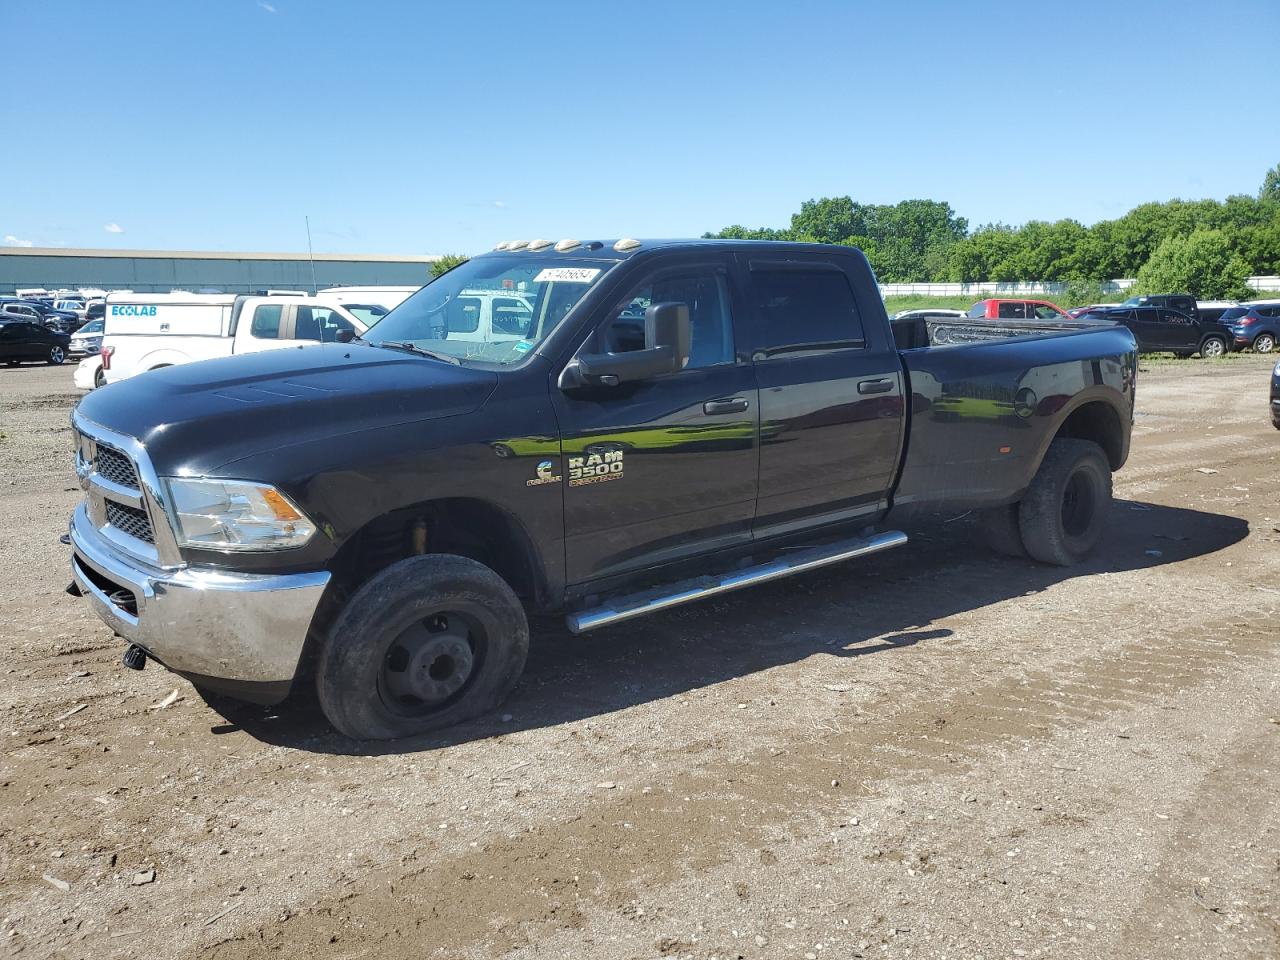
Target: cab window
{"points": [[319, 323], [266, 321], [704, 292], [1012, 310], [806, 310]]}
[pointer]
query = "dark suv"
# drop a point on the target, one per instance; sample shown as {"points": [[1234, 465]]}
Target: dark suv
{"points": [[1158, 330], [1255, 325], [1182, 302]]}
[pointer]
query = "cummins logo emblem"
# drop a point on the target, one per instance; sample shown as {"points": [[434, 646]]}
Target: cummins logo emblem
{"points": [[546, 474]]}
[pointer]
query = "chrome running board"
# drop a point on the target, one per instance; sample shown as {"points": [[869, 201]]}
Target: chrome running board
{"points": [[672, 595]]}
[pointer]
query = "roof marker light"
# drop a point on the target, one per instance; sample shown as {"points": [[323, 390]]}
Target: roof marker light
{"points": [[501, 246], [536, 245], [517, 244], [566, 245], [626, 244]]}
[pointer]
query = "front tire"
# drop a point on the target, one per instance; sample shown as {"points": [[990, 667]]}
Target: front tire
{"points": [[425, 644], [1213, 347], [1264, 343], [1062, 514], [99, 379], [57, 356]]}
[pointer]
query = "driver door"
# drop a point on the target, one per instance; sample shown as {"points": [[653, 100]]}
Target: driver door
{"points": [[663, 468]]}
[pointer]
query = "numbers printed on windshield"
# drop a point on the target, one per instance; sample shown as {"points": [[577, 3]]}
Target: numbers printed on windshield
{"points": [[595, 468]]}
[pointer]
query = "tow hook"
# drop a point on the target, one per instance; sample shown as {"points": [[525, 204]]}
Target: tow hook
{"points": [[135, 658]]}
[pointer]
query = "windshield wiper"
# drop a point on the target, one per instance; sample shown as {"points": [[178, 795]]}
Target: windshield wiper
{"points": [[421, 351]]}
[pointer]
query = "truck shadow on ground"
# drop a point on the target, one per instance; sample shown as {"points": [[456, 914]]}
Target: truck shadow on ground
{"points": [[866, 607]]}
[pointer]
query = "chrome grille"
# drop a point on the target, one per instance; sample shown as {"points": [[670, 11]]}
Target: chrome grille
{"points": [[130, 520], [115, 466]]}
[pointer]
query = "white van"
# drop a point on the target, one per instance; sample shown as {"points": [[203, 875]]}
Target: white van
{"points": [[370, 304], [146, 331]]}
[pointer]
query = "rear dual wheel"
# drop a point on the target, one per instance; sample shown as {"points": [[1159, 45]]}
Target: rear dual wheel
{"points": [[425, 644]]}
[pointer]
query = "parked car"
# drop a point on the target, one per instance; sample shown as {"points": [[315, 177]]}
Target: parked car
{"points": [[1160, 330], [72, 305], [759, 422], [88, 339], [997, 308], [95, 310], [1255, 325], [1275, 396], [22, 341], [59, 321], [1184, 303], [147, 331], [88, 375]]}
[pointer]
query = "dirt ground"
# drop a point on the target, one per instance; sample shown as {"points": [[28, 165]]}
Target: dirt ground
{"points": [[936, 752]]}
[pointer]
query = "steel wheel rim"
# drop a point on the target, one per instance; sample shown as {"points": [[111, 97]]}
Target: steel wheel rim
{"points": [[1078, 504], [1265, 343], [431, 663]]}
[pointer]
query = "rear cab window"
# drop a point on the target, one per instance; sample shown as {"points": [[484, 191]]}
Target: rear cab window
{"points": [[978, 310], [805, 309]]}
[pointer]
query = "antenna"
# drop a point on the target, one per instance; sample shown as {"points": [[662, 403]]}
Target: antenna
{"points": [[312, 257]]}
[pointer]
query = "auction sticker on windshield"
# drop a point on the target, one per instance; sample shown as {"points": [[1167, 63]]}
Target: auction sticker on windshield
{"points": [[567, 275]]}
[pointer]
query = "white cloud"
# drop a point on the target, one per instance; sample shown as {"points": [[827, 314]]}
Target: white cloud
{"points": [[266, 6], [11, 241], [499, 204], [113, 228]]}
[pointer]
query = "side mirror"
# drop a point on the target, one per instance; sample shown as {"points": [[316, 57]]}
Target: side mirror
{"points": [[667, 338], [344, 336]]}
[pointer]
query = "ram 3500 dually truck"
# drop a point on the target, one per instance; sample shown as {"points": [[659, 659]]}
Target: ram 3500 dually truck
{"points": [[677, 420]]}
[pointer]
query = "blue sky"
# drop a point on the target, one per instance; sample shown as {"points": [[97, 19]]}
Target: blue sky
{"points": [[412, 127]]}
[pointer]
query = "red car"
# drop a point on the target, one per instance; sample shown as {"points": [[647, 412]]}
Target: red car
{"points": [[996, 308]]}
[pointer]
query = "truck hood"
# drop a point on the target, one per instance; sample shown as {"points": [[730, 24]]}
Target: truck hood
{"points": [[197, 416]]}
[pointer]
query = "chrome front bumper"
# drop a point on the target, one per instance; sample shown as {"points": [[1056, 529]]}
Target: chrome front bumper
{"points": [[236, 627]]}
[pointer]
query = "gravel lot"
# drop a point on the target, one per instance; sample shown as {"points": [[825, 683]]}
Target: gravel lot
{"points": [[932, 753]]}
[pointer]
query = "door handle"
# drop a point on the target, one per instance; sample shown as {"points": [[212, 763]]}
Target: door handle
{"points": [[875, 386], [727, 405]]}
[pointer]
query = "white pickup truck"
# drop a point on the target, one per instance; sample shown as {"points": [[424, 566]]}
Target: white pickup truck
{"points": [[152, 330]]}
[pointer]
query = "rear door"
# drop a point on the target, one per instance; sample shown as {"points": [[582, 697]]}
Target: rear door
{"points": [[1179, 331], [664, 468], [831, 391]]}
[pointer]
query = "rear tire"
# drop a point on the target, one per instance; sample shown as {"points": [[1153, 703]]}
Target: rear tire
{"points": [[1213, 347], [1001, 531], [99, 379], [1264, 343], [425, 644], [1062, 514]]}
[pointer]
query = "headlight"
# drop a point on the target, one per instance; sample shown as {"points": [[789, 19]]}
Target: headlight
{"points": [[235, 515]]}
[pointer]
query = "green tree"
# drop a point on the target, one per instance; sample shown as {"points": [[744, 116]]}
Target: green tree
{"points": [[1271, 185], [1201, 263], [447, 263]]}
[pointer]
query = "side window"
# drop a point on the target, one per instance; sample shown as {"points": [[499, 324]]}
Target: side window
{"points": [[463, 315], [705, 293], [318, 323], [512, 316], [1045, 312], [266, 321], [978, 310], [1013, 310], [370, 313], [1173, 316], [807, 310]]}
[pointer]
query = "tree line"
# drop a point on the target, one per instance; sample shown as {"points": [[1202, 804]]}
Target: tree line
{"points": [[1205, 247]]}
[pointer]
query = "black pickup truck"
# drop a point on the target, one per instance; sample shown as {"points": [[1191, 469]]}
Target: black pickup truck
{"points": [[661, 421]]}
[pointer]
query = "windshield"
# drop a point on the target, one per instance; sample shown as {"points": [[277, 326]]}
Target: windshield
{"points": [[493, 308], [370, 313], [93, 326]]}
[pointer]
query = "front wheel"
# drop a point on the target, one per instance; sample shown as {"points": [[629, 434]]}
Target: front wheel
{"points": [[99, 379], [1213, 347], [1062, 514], [427, 643], [57, 355], [1264, 343]]}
